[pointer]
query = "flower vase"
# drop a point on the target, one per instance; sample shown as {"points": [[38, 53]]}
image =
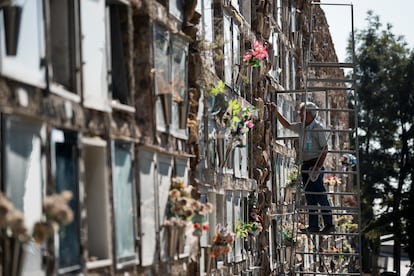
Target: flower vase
{"points": [[230, 146], [172, 234], [241, 75], [12, 18], [13, 256], [182, 113], [166, 99], [181, 238], [220, 150]]}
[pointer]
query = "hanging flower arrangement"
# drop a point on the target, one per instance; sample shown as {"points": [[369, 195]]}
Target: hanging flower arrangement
{"points": [[222, 240], [230, 113], [293, 175], [244, 229], [241, 120], [182, 208], [255, 56]]}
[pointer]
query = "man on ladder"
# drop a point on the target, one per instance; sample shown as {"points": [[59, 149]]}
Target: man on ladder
{"points": [[314, 149]]}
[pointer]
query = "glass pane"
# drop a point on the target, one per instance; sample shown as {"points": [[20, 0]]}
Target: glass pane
{"points": [[23, 180], [229, 216], [237, 216], [164, 170], [176, 8], [243, 159], [161, 60], [279, 13], [123, 200], [26, 65], [236, 51], [62, 44], [147, 207], [179, 79], [66, 177], [237, 161], [97, 201], [164, 183], [179, 69], [207, 16], [161, 66], [120, 88], [94, 54], [227, 49]]}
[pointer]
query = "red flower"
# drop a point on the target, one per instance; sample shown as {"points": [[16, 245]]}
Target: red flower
{"points": [[205, 227], [196, 225]]}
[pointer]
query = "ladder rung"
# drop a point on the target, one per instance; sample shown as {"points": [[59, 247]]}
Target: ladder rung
{"points": [[333, 172], [332, 109], [302, 272], [281, 215], [330, 193], [287, 138], [317, 207], [291, 91], [331, 64], [348, 212], [323, 88], [327, 253], [335, 151], [333, 234], [330, 130], [343, 151], [330, 80]]}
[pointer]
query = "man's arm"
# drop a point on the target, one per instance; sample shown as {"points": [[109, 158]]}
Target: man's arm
{"points": [[285, 123], [322, 158]]}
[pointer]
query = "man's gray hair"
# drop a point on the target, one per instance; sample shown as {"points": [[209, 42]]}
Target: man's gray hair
{"points": [[312, 106]]}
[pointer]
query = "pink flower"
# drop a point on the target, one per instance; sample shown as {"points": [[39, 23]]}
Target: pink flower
{"points": [[259, 51], [247, 56], [249, 124]]}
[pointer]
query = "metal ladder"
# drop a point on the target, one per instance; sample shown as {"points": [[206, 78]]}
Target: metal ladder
{"points": [[338, 253]]}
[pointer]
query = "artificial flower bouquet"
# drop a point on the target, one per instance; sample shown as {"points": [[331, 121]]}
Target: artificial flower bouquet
{"points": [[255, 56]]}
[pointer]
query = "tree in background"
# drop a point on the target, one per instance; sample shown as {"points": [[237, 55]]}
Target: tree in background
{"points": [[385, 87]]}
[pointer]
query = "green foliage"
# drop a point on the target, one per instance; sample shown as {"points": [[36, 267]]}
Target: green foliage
{"points": [[293, 175], [243, 229], [218, 89]]}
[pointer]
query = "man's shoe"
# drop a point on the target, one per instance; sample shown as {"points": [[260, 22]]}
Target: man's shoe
{"points": [[309, 230], [328, 229]]}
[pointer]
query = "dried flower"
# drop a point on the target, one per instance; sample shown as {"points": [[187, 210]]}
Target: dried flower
{"points": [[42, 231], [182, 208], [332, 180], [57, 209], [15, 220], [5, 207], [222, 241], [174, 193]]}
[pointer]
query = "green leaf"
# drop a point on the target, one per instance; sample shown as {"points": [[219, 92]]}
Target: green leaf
{"points": [[218, 89]]}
